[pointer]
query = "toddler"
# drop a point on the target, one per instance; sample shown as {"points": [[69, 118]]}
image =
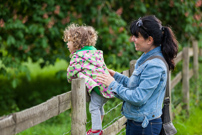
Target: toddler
{"points": [[87, 62]]}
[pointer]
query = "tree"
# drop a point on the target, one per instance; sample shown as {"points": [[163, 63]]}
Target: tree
{"points": [[29, 29]]}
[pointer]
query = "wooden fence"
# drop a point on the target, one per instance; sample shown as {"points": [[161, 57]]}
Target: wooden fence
{"points": [[76, 101]]}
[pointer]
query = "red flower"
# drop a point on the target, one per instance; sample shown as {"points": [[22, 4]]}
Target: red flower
{"points": [[45, 16], [198, 3], [171, 3], [57, 10], [44, 6], [120, 53], [186, 14], [66, 20], [111, 30], [121, 29], [197, 17], [24, 20], [119, 11], [2, 23]]}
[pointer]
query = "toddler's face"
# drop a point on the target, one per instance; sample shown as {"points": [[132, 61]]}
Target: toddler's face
{"points": [[70, 46]]}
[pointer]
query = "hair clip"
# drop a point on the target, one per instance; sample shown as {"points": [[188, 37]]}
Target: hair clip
{"points": [[139, 22]]}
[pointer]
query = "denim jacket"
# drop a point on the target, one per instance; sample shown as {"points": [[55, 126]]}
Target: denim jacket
{"points": [[143, 93]]}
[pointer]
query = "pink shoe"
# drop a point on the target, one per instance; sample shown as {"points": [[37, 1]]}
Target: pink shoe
{"points": [[89, 132], [98, 132]]}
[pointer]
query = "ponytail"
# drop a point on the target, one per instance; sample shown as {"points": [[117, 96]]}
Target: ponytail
{"points": [[169, 46]]}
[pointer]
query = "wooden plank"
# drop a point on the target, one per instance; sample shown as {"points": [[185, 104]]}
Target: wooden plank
{"points": [[64, 101], [176, 80], [178, 58], [132, 66], [78, 111], [191, 52], [116, 127], [7, 125], [191, 73], [185, 79], [37, 114], [126, 73]]}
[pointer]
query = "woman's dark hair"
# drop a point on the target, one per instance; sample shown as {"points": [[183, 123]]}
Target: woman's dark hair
{"points": [[162, 35]]}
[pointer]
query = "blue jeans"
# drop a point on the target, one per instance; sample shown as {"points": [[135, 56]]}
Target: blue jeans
{"points": [[135, 128]]}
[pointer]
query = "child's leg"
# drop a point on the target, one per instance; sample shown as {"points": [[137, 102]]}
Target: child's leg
{"points": [[95, 109], [102, 109]]}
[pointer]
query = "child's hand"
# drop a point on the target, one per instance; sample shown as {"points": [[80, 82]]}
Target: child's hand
{"points": [[105, 79], [112, 72]]}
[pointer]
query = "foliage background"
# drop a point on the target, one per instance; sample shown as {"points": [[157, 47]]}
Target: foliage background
{"points": [[31, 40]]}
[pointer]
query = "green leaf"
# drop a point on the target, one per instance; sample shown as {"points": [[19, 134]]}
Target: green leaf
{"points": [[3, 71], [44, 42], [20, 34], [10, 40], [15, 82]]}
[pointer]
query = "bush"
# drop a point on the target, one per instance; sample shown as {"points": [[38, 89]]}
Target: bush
{"points": [[35, 28]]}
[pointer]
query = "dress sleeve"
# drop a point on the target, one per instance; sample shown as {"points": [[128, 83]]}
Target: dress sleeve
{"points": [[73, 69]]}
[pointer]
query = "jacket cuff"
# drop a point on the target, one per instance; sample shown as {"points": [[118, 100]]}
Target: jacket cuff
{"points": [[112, 87]]}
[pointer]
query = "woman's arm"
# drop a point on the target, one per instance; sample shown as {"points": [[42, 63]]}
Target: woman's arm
{"points": [[122, 79], [149, 81]]}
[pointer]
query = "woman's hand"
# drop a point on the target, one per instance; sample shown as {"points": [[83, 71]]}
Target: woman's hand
{"points": [[105, 79], [112, 72]]}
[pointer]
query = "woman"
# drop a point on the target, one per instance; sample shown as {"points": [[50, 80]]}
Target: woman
{"points": [[144, 91]]}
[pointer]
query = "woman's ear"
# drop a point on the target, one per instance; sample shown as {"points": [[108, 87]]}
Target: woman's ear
{"points": [[150, 40]]}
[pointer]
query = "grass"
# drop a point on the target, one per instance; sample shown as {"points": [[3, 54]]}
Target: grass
{"points": [[190, 126]]}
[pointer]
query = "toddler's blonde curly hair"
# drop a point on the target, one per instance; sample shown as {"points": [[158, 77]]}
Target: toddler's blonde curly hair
{"points": [[80, 35]]}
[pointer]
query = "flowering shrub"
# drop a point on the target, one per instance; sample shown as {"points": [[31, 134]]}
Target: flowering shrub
{"points": [[34, 29]]}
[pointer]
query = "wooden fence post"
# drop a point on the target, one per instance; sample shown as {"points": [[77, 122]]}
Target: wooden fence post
{"points": [[132, 66], [185, 79], [78, 110], [195, 50], [200, 52], [169, 83]]}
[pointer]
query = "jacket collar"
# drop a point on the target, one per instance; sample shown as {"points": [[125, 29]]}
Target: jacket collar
{"points": [[87, 48], [155, 51]]}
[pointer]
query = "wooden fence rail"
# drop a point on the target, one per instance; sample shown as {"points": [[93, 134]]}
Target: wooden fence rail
{"points": [[76, 101], [17, 122]]}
